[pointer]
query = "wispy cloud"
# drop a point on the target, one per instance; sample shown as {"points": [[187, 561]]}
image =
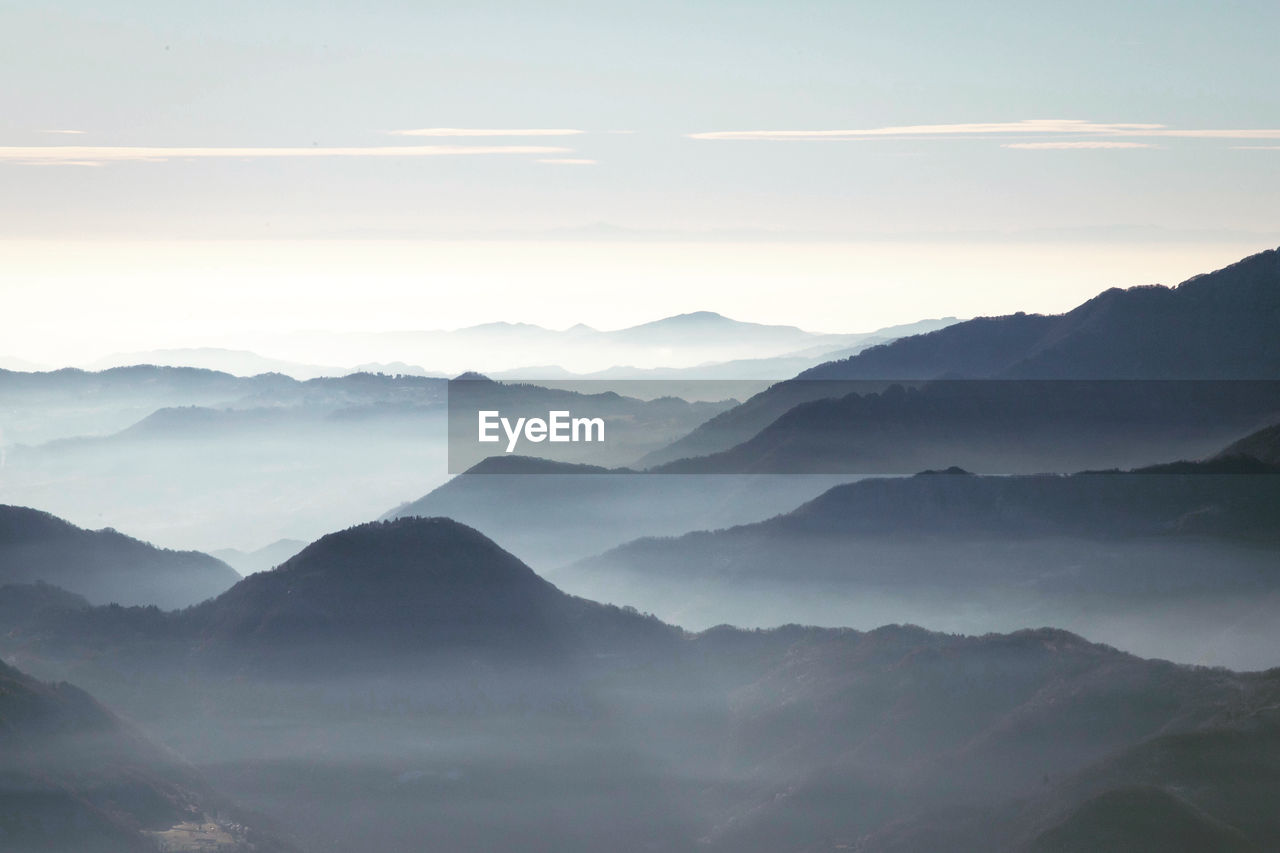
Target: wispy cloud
{"points": [[1083, 143], [1036, 127], [86, 154], [66, 132], [568, 161], [477, 132], [1255, 147]]}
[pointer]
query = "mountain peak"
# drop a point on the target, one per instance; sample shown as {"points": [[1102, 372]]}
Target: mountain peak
{"points": [[438, 548]]}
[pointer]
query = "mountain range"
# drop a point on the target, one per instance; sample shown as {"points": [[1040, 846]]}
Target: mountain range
{"points": [[1117, 555], [104, 566], [793, 738], [1214, 327]]}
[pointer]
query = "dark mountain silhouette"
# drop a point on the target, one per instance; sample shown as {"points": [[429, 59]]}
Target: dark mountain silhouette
{"points": [[400, 596], [74, 777], [1263, 445], [1000, 427], [1216, 326], [414, 588], [103, 565]]}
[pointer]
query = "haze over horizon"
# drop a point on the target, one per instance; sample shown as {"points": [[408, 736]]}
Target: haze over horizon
{"points": [[176, 177]]}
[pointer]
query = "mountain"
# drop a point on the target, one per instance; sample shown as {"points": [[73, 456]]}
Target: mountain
{"points": [[1032, 741], [684, 340], [103, 565], [776, 367], [174, 454], [234, 362], [1263, 445], [261, 559], [995, 426], [553, 513], [417, 669], [1216, 326], [1124, 557], [75, 777], [383, 596], [39, 407]]}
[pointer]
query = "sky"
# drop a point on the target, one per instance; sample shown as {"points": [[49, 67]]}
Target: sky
{"points": [[175, 172]]}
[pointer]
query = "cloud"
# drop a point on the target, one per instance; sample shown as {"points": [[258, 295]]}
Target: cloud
{"points": [[1255, 147], [1088, 143], [1058, 127], [464, 131], [65, 154], [68, 132], [568, 161]]}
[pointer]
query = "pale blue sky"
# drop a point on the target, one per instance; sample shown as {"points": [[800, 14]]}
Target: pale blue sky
{"points": [[159, 90]]}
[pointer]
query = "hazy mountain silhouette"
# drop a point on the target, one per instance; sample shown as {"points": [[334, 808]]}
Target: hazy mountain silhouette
{"points": [[684, 340], [879, 724], [232, 361], [552, 513], [103, 565], [781, 366], [74, 777], [1169, 560], [768, 739], [39, 407], [260, 559], [1216, 326]]}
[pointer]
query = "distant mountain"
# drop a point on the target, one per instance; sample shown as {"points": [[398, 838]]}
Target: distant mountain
{"points": [[781, 366], [104, 566], [1217, 326], [552, 513], [684, 340], [234, 362], [174, 454], [74, 777], [261, 559]]}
